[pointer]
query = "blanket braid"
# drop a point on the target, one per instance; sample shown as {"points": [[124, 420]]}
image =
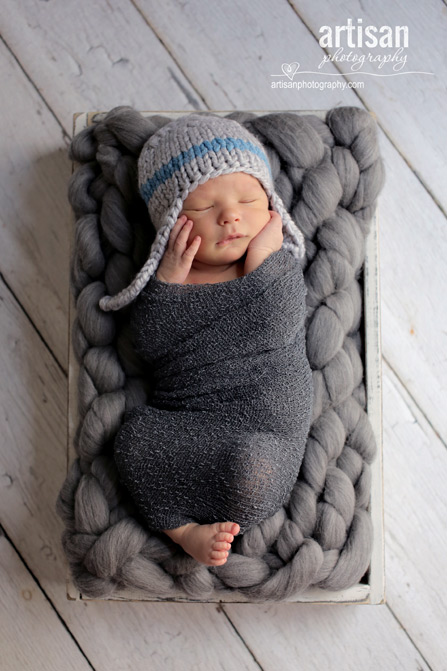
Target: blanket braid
{"points": [[328, 175]]}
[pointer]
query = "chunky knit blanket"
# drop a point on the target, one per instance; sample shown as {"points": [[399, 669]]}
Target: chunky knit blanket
{"points": [[328, 174], [223, 434]]}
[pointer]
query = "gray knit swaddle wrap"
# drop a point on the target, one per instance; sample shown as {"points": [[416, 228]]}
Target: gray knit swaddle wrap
{"points": [[223, 434]]}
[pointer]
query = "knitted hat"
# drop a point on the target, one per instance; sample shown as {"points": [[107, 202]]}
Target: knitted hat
{"points": [[175, 160]]}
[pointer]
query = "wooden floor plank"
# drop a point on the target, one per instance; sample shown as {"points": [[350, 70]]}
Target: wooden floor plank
{"points": [[230, 51], [413, 277], [108, 56], [292, 636], [35, 212], [31, 634], [415, 467]]}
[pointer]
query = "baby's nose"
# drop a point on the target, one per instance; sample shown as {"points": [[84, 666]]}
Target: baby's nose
{"points": [[229, 216]]}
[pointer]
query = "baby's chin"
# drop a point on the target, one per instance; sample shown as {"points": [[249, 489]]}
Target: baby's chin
{"points": [[238, 245], [217, 255], [233, 252]]}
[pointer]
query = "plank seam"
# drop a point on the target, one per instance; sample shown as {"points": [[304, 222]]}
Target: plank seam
{"points": [[65, 135], [414, 403], [190, 99], [45, 595], [409, 638], [221, 609], [22, 308]]}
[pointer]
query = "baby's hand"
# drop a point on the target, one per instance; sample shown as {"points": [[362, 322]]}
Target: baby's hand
{"points": [[268, 240], [177, 259]]}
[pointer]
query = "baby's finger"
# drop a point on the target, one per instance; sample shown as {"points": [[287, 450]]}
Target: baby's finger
{"points": [[191, 251], [275, 217], [182, 237], [177, 228]]}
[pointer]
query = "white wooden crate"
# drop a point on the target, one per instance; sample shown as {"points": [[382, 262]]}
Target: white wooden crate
{"points": [[371, 592]]}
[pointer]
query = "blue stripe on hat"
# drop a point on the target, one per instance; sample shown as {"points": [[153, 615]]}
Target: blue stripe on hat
{"points": [[197, 151]]}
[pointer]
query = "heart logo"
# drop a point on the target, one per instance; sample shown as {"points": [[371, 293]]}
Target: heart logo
{"points": [[290, 69]]}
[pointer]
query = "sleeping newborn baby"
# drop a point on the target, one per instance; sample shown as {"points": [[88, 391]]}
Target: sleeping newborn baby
{"points": [[219, 315]]}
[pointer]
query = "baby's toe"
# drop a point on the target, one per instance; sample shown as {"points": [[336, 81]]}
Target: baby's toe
{"points": [[221, 545], [218, 554], [217, 562], [223, 537], [230, 527]]}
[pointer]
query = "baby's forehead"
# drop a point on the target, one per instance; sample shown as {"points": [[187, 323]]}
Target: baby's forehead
{"points": [[236, 180]]}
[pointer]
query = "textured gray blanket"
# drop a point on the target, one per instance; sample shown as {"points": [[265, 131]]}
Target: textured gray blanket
{"points": [[223, 434], [328, 174]]}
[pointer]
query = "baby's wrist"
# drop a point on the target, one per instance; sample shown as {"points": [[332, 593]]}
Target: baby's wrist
{"points": [[254, 259], [160, 277]]}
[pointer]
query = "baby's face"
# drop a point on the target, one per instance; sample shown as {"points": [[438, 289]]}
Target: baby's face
{"points": [[228, 205]]}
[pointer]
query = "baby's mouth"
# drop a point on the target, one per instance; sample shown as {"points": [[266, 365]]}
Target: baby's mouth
{"points": [[230, 238]]}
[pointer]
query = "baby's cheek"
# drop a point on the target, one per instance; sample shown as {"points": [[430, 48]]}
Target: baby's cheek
{"points": [[264, 215], [262, 220], [196, 230]]}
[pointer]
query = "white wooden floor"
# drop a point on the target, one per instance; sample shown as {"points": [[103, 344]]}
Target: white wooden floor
{"points": [[60, 57]]}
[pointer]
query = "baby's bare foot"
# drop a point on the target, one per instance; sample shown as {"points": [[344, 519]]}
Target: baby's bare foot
{"points": [[208, 543]]}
